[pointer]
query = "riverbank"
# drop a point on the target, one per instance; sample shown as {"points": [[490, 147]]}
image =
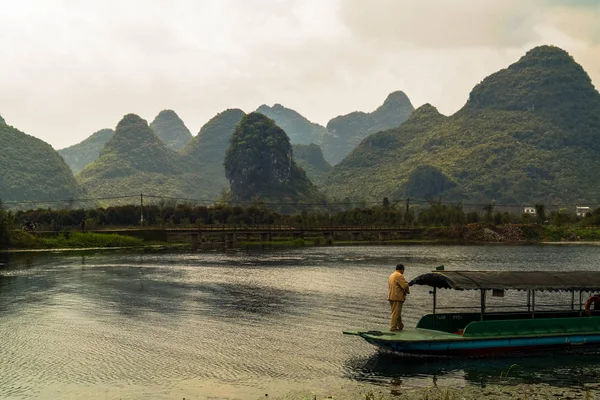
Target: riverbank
{"points": [[470, 234], [513, 233], [488, 392], [21, 240]]}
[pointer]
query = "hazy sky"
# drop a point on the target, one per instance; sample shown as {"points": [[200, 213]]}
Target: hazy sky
{"points": [[70, 68]]}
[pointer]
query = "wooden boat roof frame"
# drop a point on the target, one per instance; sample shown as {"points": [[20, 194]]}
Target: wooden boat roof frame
{"points": [[511, 280]]}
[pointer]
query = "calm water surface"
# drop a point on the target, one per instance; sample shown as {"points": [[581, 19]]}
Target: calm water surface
{"points": [[243, 323]]}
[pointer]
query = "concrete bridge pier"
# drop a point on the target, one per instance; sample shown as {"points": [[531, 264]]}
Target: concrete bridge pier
{"points": [[265, 236], [196, 238], [404, 234], [231, 238], [356, 235], [384, 236], [327, 235], [297, 235]]}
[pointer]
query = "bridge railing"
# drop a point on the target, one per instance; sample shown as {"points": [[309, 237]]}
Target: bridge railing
{"points": [[241, 228]]}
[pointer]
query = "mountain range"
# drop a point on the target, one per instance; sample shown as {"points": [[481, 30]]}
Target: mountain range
{"points": [[352, 128], [31, 169], [80, 155], [299, 129], [528, 133], [345, 132], [205, 155], [310, 159], [171, 130], [134, 160]]}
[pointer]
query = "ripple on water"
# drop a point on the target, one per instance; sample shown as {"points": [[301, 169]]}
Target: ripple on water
{"points": [[129, 322]]}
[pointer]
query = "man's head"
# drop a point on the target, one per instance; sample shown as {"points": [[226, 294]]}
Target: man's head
{"points": [[400, 268]]}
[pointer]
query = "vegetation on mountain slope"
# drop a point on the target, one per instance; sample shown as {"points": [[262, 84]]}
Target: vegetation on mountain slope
{"points": [[259, 164], [6, 226], [167, 126], [134, 160], [345, 132], [299, 129], [32, 169], [171, 130], [205, 155], [521, 138], [82, 154], [310, 159]]}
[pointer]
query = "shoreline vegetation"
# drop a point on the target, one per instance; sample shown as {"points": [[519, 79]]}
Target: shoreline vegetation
{"points": [[223, 224], [471, 234]]}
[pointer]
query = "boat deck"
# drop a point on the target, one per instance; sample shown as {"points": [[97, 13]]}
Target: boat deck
{"points": [[406, 335]]}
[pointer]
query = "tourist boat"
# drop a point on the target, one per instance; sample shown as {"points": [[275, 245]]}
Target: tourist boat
{"points": [[490, 333]]}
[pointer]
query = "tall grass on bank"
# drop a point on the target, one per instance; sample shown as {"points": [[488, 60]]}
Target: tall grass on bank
{"points": [[25, 240]]}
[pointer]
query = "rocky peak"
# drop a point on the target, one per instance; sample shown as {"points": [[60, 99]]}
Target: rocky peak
{"points": [[171, 130]]}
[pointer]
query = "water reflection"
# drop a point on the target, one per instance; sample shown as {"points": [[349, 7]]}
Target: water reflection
{"points": [[556, 369], [127, 320]]}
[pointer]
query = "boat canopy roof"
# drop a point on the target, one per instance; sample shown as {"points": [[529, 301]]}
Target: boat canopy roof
{"points": [[516, 280]]}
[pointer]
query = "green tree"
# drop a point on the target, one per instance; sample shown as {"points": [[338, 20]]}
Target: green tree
{"points": [[561, 217], [6, 224], [540, 211], [489, 212]]}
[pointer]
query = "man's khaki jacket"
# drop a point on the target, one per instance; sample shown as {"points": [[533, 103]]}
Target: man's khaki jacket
{"points": [[398, 287]]}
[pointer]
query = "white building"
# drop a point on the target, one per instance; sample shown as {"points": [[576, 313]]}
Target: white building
{"points": [[529, 211], [581, 210]]}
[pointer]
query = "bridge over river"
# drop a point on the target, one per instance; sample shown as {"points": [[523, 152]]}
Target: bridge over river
{"points": [[266, 233]]}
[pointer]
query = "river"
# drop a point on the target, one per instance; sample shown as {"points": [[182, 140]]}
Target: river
{"points": [[243, 323]]}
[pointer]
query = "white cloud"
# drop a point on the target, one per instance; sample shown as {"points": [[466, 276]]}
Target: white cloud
{"points": [[71, 68]]}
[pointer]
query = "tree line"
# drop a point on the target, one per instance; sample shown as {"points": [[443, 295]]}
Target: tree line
{"points": [[185, 214]]}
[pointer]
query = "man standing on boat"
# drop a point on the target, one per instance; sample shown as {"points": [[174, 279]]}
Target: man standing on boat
{"points": [[398, 289]]}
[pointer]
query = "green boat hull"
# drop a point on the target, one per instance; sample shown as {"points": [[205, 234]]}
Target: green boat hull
{"points": [[490, 337]]}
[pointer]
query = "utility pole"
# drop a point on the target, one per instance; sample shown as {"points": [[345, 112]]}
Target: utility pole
{"points": [[406, 213], [141, 209]]}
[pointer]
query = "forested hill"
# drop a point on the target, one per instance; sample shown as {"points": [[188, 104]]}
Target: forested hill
{"points": [[259, 163], [528, 134], [205, 154], [134, 160], [32, 169], [550, 84], [310, 159], [171, 130], [299, 129], [80, 155], [2, 120], [167, 126], [345, 132]]}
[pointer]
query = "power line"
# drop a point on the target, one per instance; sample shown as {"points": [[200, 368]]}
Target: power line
{"points": [[73, 200], [355, 203]]}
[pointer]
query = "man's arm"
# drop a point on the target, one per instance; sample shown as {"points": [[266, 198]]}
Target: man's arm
{"points": [[404, 284]]}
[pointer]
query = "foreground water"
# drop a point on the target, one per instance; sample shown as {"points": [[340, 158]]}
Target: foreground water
{"points": [[241, 324]]}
